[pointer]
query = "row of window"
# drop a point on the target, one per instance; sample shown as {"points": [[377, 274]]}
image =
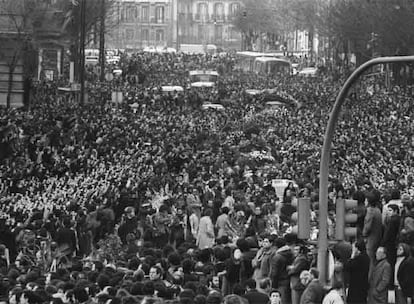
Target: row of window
{"points": [[130, 34], [202, 34], [131, 13], [218, 9]]}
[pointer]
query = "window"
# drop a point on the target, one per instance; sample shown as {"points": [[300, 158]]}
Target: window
{"points": [[159, 14], [218, 32], [129, 33], [233, 33], [145, 34], [131, 13], [123, 13], [202, 11], [201, 34], [159, 35], [234, 8], [145, 13], [218, 11]]}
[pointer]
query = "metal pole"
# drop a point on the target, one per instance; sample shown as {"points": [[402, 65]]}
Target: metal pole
{"points": [[326, 149], [82, 52], [102, 42]]}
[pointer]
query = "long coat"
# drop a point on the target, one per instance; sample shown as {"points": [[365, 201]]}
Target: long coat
{"points": [[405, 276], [313, 293], [372, 230], [357, 269], [379, 281], [389, 240], [205, 237], [262, 263]]}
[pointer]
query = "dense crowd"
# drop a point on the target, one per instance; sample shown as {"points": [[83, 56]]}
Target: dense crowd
{"points": [[166, 202]]}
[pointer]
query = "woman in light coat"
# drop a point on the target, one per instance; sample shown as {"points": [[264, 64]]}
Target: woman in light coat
{"points": [[206, 237]]}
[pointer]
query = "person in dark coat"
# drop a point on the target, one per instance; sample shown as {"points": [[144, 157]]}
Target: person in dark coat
{"points": [[403, 277], [279, 269], [380, 279], [66, 239], [300, 263], [253, 295], [372, 226], [314, 291], [129, 224], [391, 229], [356, 269]]}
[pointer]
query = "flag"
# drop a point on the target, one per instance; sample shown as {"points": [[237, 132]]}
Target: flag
{"points": [[74, 2]]}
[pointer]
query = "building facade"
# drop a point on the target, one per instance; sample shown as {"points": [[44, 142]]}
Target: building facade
{"points": [[136, 24], [207, 22]]}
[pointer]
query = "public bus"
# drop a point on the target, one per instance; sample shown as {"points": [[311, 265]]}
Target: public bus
{"points": [[272, 66], [245, 60]]}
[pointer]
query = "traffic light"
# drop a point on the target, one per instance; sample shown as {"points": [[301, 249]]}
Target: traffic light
{"points": [[302, 217], [345, 217]]}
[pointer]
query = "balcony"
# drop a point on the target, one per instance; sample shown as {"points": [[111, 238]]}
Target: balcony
{"points": [[201, 17], [219, 18], [160, 20]]}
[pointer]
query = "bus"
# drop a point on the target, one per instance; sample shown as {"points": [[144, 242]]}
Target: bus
{"points": [[272, 66], [245, 60]]}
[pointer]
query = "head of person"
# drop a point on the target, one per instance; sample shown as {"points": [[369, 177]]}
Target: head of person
{"points": [[360, 246], [208, 212], [237, 254], [265, 285], [381, 253], [129, 212], [250, 284], [266, 240], [373, 198], [305, 277], [392, 209], [233, 299], [314, 273], [275, 297], [403, 250], [225, 210], [155, 273]]}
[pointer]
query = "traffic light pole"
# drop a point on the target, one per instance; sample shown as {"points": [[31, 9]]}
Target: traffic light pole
{"points": [[82, 52], [326, 149]]}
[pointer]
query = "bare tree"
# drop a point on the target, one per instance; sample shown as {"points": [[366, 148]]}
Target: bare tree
{"points": [[21, 16]]}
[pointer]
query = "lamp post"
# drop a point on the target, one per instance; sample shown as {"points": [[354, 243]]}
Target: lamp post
{"points": [[102, 42], [82, 51], [326, 149]]}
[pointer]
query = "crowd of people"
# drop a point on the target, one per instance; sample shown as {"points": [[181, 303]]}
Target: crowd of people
{"points": [[166, 202]]}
